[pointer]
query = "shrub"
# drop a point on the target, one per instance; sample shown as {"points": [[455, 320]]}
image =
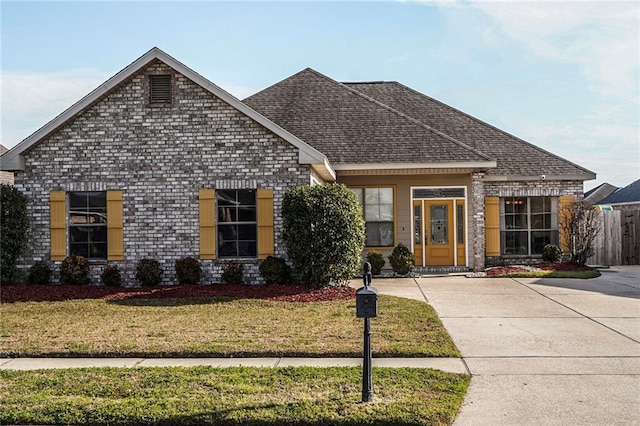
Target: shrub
{"points": [[375, 258], [551, 253], [148, 272], [13, 238], [579, 227], [401, 260], [111, 276], [188, 270], [324, 233], [233, 272], [74, 270], [40, 273], [275, 270]]}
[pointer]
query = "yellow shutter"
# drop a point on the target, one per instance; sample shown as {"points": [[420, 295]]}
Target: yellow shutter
{"points": [[207, 213], [115, 228], [492, 225], [565, 202], [265, 223], [58, 224]]}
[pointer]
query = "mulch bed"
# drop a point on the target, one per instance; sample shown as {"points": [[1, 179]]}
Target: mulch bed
{"points": [[560, 266], [284, 293]]}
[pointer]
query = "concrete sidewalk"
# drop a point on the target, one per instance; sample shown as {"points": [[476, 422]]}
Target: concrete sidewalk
{"points": [[453, 365]]}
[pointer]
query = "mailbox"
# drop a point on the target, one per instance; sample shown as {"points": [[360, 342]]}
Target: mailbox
{"points": [[367, 302]]}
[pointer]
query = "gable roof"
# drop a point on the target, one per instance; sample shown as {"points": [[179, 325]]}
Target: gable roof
{"points": [[355, 130], [627, 195], [600, 192], [516, 158], [13, 160]]}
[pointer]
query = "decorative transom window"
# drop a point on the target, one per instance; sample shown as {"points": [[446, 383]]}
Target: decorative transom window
{"points": [[527, 224], [377, 210], [88, 224], [160, 89], [236, 223]]}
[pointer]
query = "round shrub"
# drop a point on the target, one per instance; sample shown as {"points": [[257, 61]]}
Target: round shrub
{"points": [[40, 273], [188, 270], [551, 253], [74, 270], [111, 276], [148, 272], [324, 233], [275, 270], [233, 272], [401, 260], [375, 258]]}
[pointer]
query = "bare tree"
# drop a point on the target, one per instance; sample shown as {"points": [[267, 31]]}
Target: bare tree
{"points": [[579, 227]]}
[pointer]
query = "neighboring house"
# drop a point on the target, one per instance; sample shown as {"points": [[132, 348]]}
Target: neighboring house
{"points": [[5, 177], [160, 163], [600, 192], [623, 198]]}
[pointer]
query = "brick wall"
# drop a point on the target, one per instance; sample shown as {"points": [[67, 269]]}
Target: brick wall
{"points": [[159, 156]]}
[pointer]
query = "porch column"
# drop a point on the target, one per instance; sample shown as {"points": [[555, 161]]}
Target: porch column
{"points": [[477, 223]]}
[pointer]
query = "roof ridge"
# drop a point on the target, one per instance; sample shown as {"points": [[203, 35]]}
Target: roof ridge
{"points": [[405, 116], [491, 126]]}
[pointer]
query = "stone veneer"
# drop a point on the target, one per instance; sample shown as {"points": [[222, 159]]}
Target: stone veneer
{"points": [[159, 156]]}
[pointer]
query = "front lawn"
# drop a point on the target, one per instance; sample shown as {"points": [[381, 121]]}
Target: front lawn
{"points": [[229, 396], [218, 326]]}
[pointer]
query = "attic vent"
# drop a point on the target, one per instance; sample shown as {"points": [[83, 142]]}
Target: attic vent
{"points": [[438, 193], [160, 89]]}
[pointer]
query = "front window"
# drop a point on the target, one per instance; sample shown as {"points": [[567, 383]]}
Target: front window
{"points": [[527, 224], [377, 209], [88, 224], [237, 226]]}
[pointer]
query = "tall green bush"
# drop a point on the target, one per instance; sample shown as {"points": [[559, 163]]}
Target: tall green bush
{"points": [[324, 233], [13, 236]]}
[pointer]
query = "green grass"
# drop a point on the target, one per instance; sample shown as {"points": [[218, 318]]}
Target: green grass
{"points": [[555, 274], [229, 396], [219, 327]]}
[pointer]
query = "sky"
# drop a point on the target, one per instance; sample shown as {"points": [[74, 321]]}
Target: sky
{"points": [[563, 75]]}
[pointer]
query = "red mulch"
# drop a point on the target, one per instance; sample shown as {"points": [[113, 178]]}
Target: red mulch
{"points": [[284, 293], [560, 266]]}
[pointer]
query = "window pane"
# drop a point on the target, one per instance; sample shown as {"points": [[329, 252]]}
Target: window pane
{"points": [[439, 217], [227, 214], [539, 239], [371, 196], [514, 242], [98, 251], [372, 213], [247, 214], [226, 197], [247, 197], [98, 234], [78, 234], [460, 225], [358, 192], [97, 201], [77, 201], [247, 232], [79, 249], [227, 233], [386, 196], [228, 249], [247, 249], [541, 221], [515, 205], [386, 212], [372, 235], [386, 234]]}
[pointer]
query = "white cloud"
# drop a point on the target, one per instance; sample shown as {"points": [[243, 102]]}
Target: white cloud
{"points": [[30, 100], [602, 37]]}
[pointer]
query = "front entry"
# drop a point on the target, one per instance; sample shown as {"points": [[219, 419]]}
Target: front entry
{"points": [[438, 232]]}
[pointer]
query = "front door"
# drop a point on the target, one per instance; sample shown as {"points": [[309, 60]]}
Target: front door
{"points": [[434, 242]]}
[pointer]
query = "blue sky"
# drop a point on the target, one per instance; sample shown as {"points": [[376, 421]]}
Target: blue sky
{"points": [[561, 75]]}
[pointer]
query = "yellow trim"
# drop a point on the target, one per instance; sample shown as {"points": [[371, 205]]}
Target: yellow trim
{"points": [[264, 206], [565, 202], [115, 226], [58, 224], [395, 213], [207, 223], [492, 225]]}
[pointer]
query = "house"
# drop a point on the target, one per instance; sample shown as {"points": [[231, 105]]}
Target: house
{"points": [[600, 192], [159, 162], [5, 177]]}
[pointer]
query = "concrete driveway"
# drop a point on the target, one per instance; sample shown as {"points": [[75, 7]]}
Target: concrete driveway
{"points": [[542, 351]]}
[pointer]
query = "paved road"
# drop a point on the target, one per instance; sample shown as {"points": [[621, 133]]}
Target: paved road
{"points": [[542, 351]]}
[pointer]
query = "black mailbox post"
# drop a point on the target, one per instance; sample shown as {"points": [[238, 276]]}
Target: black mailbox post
{"points": [[367, 308]]}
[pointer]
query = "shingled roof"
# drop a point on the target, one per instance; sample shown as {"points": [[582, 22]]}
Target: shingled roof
{"points": [[515, 157], [352, 128], [630, 194]]}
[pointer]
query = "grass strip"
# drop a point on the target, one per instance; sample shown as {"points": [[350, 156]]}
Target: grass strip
{"points": [[229, 396], [218, 327]]}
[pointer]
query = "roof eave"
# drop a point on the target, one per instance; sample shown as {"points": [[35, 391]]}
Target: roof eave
{"points": [[475, 165], [574, 177]]}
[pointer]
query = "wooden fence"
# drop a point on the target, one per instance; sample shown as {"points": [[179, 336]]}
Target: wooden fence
{"points": [[618, 242]]}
